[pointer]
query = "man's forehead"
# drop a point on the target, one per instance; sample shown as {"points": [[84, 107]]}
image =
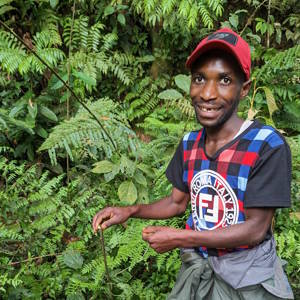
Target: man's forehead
{"points": [[217, 57]]}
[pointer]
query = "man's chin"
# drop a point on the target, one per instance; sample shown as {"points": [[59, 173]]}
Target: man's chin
{"points": [[211, 124]]}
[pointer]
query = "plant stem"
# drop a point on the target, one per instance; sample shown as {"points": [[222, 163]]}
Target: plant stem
{"points": [[249, 21], [33, 258], [69, 74], [109, 282], [268, 22]]}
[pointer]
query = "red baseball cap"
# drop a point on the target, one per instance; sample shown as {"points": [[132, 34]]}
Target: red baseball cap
{"points": [[229, 41]]}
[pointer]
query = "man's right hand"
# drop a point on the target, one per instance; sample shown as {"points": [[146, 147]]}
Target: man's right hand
{"points": [[110, 216]]}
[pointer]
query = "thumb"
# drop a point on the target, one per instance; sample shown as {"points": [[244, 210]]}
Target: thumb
{"points": [[151, 229], [108, 223]]}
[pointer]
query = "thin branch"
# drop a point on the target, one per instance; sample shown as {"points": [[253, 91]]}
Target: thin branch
{"points": [[268, 22], [69, 74], [249, 21], [64, 83], [109, 282], [33, 258]]}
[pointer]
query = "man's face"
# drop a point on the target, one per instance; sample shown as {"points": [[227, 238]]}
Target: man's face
{"points": [[216, 89]]}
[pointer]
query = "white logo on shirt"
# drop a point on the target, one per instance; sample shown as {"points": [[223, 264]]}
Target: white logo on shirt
{"points": [[213, 201]]}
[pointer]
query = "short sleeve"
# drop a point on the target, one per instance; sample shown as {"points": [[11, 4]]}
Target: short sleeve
{"points": [[269, 184], [174, 170]]}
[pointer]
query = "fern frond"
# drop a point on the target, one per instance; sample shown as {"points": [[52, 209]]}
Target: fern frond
{"points": [[5, 7], [205, 15], [283, 60], [83, 132], [185, 107]]}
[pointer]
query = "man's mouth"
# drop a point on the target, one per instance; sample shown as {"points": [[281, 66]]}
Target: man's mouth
{"points": [[208, 109]]}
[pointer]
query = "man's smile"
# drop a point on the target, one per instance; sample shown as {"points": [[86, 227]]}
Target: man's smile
{"points": [[208, 108]]}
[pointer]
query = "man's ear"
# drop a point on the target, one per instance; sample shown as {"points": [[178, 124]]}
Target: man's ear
{"points": [[245, 88]]}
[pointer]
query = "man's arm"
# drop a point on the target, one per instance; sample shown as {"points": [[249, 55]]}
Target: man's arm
{"points": [[250, 233], [167, 207]]}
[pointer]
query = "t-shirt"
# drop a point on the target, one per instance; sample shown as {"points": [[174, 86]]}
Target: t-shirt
{"points": [[252, 170]]}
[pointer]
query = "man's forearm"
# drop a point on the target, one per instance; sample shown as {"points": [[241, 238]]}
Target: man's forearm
{"points": [[230, 237], [249, 233], [162, 209]]}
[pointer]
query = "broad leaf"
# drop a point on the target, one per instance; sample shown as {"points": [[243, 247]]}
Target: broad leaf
{"points": [[183, 82], [121, 19], [170, 94], [140, 178], [102, 167], [53, 3], [73, 259], [49, 114], [85, 78], [108, 10], [127, 192], [127, 165], [234, 20], [41, 131], [272, 106], [32, 109], [59, 84]]}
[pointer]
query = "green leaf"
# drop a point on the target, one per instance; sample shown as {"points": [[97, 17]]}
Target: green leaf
{"points": [[32, 109], [102, 167], [272, 106], [127, 192], [15, 110], [234, 20], [146, 169], [5, 9], [121, 19], [59, 84], [53, 3], [73, 259], [108, 10], [127, 165], [49, 114], [183, 82], [85, 78], [170, 94], [140, 178], [255, 37], [146, 58], [76, 296], [41, 132], [143, 194]]}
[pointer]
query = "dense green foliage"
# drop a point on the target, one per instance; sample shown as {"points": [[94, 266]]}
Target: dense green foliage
{"points": [[58, 167]]}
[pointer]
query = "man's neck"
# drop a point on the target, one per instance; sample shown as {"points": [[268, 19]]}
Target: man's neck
{"points": [[225, 132]]}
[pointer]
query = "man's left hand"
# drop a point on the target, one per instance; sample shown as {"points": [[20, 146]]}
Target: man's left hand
{"points": [[161, 238]]}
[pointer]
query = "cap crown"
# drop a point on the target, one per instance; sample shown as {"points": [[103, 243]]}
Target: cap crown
{"points": [[229, 41]]}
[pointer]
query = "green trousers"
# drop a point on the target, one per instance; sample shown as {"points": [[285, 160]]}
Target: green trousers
{"points": [[197, 281]]}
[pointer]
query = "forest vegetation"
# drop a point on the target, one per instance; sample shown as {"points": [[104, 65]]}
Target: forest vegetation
{"points": [[94, 100]]}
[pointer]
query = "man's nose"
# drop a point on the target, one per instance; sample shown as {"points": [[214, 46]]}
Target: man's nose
{"points": [[208, 91]]}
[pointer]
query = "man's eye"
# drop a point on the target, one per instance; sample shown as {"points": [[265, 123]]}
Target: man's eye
{"points": [[198, 79], [226, 80]]}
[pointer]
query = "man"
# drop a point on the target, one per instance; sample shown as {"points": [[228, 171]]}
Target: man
{"points": [[235, 173]]}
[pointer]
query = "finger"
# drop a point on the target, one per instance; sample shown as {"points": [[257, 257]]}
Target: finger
{"points": [[149, 229], [99, 219], [146, 236], [112, 221], [155, 247]]}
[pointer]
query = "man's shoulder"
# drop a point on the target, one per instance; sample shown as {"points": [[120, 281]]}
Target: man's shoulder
{"points": [[264, 134]]}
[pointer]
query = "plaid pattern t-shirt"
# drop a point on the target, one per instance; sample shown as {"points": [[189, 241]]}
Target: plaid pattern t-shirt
{"points": [[253, 170]]}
